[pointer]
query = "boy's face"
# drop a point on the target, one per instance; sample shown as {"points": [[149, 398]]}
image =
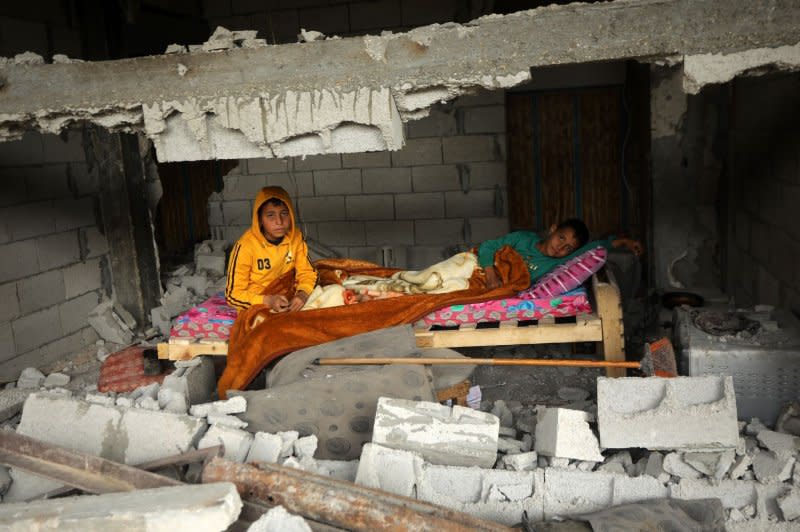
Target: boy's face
{"points": [[560, 242], [275, 221]]}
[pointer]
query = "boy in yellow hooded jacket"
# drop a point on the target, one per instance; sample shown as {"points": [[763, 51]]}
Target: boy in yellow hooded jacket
{"points": [[271, 247]]}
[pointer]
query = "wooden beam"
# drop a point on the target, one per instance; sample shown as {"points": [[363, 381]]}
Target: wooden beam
{"points": [[588, 329], [609, 309], [179, 350]]}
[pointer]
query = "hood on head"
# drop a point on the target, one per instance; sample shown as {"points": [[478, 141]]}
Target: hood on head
{"points": [[262, 197]]}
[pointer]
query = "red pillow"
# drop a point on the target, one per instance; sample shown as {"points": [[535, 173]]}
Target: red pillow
{"points": [[570, 275]]}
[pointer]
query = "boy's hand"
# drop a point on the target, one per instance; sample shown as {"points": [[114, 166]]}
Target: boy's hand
{"points": [[298, 301], [634, 246], [492, 279], [277, 303]]}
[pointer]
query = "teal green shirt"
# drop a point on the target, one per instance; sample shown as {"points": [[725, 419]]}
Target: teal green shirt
{"points": [[524, 243]]}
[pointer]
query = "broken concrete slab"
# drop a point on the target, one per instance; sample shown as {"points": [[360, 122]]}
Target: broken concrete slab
{"points": [[199, 507], [277, 519], [655, 467], [770, 467], [674, 465], [225, 420], [108, 324], [778, 442], [56, 380], [520, 462], [440, 434], [564, 433], [683, 413], [393, 470], [741, 465], [128, 436], [236, 442], [714, 465], [11, 401], [732, 493], [790, 504], [31, 379], [234, 405], [266, 447]]}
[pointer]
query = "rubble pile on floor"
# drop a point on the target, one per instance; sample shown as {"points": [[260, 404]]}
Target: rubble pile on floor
{"points": [[642, 439]]}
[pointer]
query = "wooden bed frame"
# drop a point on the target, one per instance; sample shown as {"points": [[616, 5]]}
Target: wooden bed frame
{"points": [[603, 326]]}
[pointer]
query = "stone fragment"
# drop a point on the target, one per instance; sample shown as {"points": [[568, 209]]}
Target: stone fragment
{"points": [[562, 463], [207, 507], [520, 462], [779, 443], [31, 379], [655, 467], [741, 465], [100, 399], [527, 442], [790, 504], [586, 466], [685, 413], [305, 446], [277, 519], [442, 435], [339, 469], [172, 400], [714, 465], [236, 442], [147, 403], [674, 465], [109, 325], [754, 427], [55, 380], [509, 446], [11, 401], [566, 433], [235, 405], [770, 467], [287, 442], [225, 420], [124, 401], [393, 470], [732, 493], [266, 447], [503, 413], [508, 432], [612, 467]]}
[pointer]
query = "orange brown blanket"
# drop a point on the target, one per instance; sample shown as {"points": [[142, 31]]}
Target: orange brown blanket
{"points": [[259, 336]]}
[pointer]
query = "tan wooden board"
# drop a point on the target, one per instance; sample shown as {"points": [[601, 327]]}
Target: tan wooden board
{"points": [[187, 351]]}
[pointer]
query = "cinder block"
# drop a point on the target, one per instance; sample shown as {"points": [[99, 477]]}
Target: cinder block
{"points": [[317, 162], [40, 291], [237, 212], [492, 494], [565, 433], [57, 149], [297, 184], [19, 260], [10, 307], [569, 492], [489, 119], [464, 149], [129, 436], [438, 232], [74, 213], [391, 232], [337, 182], [342, 233], [93, 242], [36, 329], [689, 413], [439, 123], [235, 405], [366, 160], [209, 506], [242, 187], [380, 15], [419, 205], [473, 203], [266, 447], [236, 442], [732, 493], [330, 20], [419, 152], [441, 435], [487, 174], [435, 178], [267, 166], [393, 470], [482, 229], [380, 180], [57, 250], [373, 207], [83, 277], [325, 209], [30, 219]]}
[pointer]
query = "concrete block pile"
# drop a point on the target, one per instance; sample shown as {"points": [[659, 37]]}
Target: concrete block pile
{"points": [[550, 462]]}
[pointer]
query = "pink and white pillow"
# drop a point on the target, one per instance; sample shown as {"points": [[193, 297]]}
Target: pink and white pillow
{"points": [[570, 275]]}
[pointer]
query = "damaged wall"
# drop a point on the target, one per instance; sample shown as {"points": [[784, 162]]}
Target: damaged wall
{"points": [[53, 252], [444, 190], [764, 238]]}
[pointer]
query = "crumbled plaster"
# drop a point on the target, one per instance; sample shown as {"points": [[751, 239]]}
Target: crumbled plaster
{"points": [[707, 69], [235, 97]]}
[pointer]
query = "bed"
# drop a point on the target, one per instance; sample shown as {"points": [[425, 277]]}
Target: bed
{"points": [[203, 329]]}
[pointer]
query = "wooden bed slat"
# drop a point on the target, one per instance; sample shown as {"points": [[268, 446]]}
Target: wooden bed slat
{"points": [[550, 333]]}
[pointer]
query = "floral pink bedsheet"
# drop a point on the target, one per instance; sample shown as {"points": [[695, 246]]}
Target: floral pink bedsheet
{"points": [[522, 307], [213, 318]]}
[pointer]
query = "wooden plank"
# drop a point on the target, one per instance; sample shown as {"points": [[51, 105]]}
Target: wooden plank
{"points": [[187, 351], [509, 323], [84, 471], [609, 309], [590, 330]]}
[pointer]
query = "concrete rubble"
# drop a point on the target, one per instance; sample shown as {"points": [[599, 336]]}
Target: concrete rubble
{"points": [[564, 433], [279, 520]]}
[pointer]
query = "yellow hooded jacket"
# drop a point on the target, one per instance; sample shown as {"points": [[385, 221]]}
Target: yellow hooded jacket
{"points": [[255, 262]]}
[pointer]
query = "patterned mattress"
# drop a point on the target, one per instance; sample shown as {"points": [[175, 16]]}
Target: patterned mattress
{"points": [[213, 318]]}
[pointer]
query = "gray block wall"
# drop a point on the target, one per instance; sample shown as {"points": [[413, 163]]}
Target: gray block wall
{"points": [[764, 241], [52, 251], [443, 192]]}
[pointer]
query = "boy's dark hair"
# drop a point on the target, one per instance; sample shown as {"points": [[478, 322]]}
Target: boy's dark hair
{"points": [[578, 227], [275, 202]]}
